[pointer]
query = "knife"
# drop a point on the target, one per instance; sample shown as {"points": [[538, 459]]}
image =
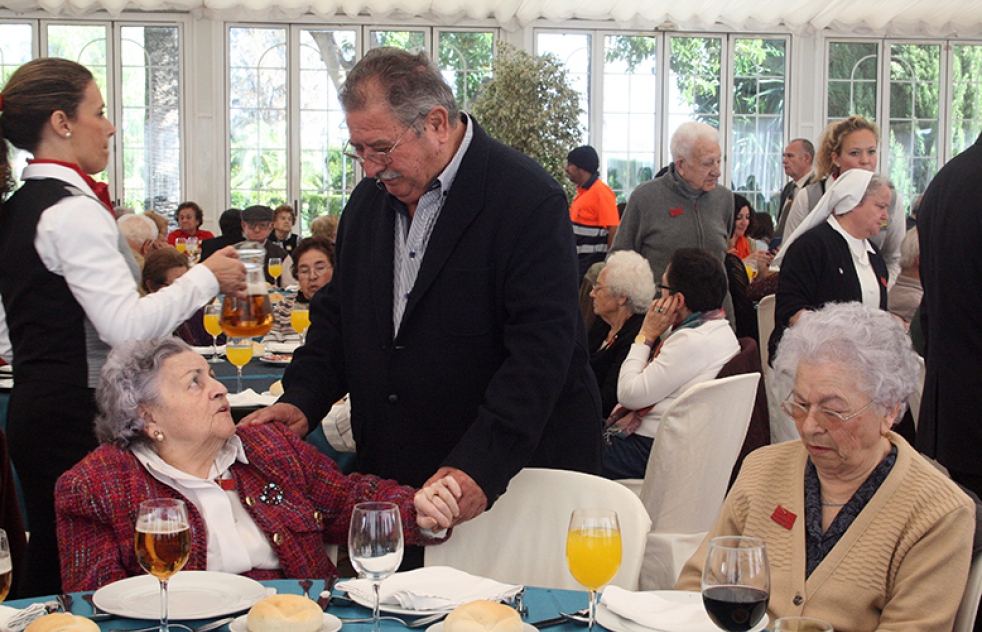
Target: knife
{"points": [[545, 623]]}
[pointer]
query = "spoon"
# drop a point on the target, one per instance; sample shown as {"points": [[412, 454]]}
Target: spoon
{"points": [[418, 623], [214, 625]]}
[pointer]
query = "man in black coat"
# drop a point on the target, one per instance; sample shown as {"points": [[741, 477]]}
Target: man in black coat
{"points": [[949, 222], [452, 316]]}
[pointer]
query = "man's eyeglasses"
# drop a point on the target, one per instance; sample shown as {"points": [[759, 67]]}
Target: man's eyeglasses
{"points": [[798, 412], [316, 271], [664, 288], [383, 158]]}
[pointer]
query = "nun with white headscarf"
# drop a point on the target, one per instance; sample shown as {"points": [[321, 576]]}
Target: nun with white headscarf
{"points": [[829, 258]]}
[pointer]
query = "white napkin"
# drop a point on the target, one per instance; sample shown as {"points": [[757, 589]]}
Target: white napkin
{"points": [[431, 588], [208, 351], [249, 398], [653, 611], [14, 620], [281, 347]]}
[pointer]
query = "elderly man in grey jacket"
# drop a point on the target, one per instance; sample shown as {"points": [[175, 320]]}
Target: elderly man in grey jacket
{"points": [[685, 208]]}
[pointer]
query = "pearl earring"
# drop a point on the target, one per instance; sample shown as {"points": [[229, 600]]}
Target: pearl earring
{"points": [[68, 134], [158, 435]]}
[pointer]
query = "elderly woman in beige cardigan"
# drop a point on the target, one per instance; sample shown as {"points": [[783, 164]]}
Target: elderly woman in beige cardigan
{"points": [[861, 531]]}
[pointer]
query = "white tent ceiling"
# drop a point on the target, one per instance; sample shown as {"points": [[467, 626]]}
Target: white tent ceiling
{"points": [[934, 18]]}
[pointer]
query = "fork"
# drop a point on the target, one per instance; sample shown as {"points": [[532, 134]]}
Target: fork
{"points": [[214, 625], [412, 625]]}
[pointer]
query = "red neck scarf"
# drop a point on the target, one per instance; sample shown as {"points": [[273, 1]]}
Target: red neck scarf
{"points": [[101, 189]]}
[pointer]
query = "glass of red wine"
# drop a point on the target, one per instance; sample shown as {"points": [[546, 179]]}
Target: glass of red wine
{"points": [[736, 582]]}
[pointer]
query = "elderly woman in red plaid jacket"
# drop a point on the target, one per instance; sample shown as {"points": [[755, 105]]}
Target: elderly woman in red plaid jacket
{"points": [[261, 502]]}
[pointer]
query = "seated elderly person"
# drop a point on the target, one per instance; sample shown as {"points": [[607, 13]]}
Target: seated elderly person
{"points": [[261, 501], [141, 234], [861, 531], [313, 267], [652, 377], [160, 269], [621, 296], [904, 297]]}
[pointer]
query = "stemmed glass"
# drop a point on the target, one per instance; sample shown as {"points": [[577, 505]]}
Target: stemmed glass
{"points": [[181, 243], [239, 352], [300, 319], [213, 314], [192, 250], [593, 550], [275, 267], [163, 543], [736, 582], [6, 567], [800, 624], [375, 545]]}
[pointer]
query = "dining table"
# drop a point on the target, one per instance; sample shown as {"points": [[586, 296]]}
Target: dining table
{"points": [[542, 603]]}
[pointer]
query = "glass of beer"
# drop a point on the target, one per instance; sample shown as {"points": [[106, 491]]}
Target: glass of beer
{"points": [[213, 313], [275, 267], [239, 352], [6, 567], [593, 551], [163, 543], [300, 320]]}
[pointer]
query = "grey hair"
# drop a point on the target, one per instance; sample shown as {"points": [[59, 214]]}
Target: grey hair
{"points": [[130, 380], [137, 228], [870, 344], [878, 180], [910, 249], [629, 275], [807, 145], [410, 84], [686, 137]]}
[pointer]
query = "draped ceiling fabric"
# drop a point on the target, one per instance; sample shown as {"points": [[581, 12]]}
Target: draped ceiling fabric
{"points": [[933, 18]]}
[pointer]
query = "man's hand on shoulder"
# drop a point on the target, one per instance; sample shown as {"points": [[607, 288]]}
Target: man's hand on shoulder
{"points": [[284, 413], [472, 501]]}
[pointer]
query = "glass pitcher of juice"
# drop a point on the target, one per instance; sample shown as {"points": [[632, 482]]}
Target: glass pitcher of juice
{"points": [[251, 316]]}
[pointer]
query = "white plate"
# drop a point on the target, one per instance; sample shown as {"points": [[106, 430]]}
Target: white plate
{"points": [[276, 358], [6, 382], [616, 623], [192, 595], [331, 624], [393, 609], [282, 347], [6, 368], [438, 627], [207, 351]]}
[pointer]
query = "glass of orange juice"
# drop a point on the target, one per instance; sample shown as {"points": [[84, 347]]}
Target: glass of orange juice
{"points": [[181, 244], [239, 352], [275, 267], [300, 319], [593, 550], [213, 313]]}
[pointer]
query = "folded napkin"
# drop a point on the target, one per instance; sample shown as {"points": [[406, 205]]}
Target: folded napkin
{"points": [[281, 347], [208, 350], [431, 588], [248, 398], [14, 620], [652, 611]]}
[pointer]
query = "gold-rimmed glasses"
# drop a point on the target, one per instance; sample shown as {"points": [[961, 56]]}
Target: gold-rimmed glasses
{"points": [[383, 158], [799, 412]]}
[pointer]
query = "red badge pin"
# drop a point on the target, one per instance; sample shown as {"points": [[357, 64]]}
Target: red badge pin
{"points": [[883, 282], [783, 517], [675, 212]]}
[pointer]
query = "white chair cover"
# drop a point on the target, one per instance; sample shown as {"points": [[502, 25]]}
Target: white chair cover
{"points": [[765, 325], [965, 619], [522, 539], [698, 441], [915, 400]]}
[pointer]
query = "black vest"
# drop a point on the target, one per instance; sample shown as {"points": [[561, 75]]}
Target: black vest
{"points": [[46, 323]]}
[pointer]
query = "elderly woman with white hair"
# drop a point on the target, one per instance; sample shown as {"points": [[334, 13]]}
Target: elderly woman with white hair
{"points": [[261, 501], [861, 531], [621, 296], [829, 258], [685, 208]]}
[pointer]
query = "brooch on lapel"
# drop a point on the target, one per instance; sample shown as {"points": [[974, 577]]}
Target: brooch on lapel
{"points": [[272, 494], [783, 517]]}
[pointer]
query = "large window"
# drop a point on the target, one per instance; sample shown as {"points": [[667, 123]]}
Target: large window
{"points": [[286, 129], [919, 129], [648, 85]]}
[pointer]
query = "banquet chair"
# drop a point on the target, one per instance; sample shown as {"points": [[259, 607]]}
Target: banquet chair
{"points": [[765, 325], [914, 402], [522, 538], [698, 441], [965, 618]]}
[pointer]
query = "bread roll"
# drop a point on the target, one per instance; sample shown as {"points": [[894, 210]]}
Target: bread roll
{"points": [[276, 388], [483, 616], [285, 613], [62, 622]]}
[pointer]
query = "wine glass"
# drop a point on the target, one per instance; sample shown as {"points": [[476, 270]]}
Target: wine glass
{"points": [[593, 550], [6, 567], [800, 624], [751, 267], [375, 545], [163, 543], [213, 313], [239, 352], [275, 267], [736, 582], [300, 319], [181, 243], [192, 250]]}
